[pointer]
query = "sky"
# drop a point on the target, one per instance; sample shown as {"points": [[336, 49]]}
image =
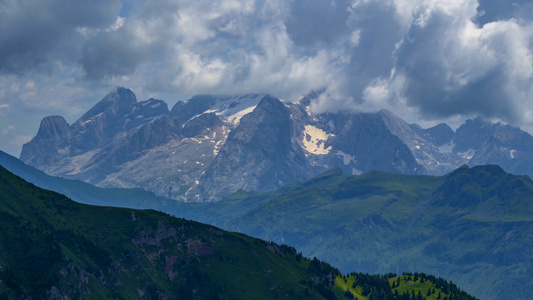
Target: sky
{"points": [[428, 61]]}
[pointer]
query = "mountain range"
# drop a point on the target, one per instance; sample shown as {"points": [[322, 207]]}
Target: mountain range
{"points": [[363, 191], [55, 248], [211, 146], [472, 225]]}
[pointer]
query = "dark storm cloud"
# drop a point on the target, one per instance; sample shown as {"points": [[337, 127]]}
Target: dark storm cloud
{"points": [[110, 54], [35, 33], [450, 65], [380, 30], [318, 23]]}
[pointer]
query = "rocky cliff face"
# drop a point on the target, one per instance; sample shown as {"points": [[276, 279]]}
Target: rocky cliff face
{"points": [[209, 146], [258, 155], [504, 145], [99, 125], [51, 143], [372, 145]]}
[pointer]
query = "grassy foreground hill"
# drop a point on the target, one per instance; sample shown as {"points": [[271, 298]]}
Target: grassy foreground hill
{"points": [[52, 248]]}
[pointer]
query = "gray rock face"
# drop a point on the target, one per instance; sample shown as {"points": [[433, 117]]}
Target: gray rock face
{"points": [[210, 146], [145, 111], [374, 142], [50, 144], [488, 143], [201, 125], [423, 144], [130, 145], [438, 135], [100, 124], [258, 155], [185, 110]]}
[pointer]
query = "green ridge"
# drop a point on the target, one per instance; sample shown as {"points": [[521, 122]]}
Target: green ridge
{"points": [[52, 247], [472, 226]]}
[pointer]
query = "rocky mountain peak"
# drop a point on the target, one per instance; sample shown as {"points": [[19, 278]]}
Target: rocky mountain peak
{"points": [[118, 103], [53, 127], [185, 110], [438, 135], [51, 142], [257, 155], [201, 124], [397, 126], [145, 111], [271, 105], [473, 134]]}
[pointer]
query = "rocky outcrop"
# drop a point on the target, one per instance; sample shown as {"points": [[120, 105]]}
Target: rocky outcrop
{"points": [[201, 124], [504, 145], [51, 143], [98, 126], [129, 146], [185, 110], [438, 135], [372, 144], [145, 111], [258, 155]]}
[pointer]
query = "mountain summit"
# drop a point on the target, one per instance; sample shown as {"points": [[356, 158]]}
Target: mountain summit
{"points": [[210, 146]]}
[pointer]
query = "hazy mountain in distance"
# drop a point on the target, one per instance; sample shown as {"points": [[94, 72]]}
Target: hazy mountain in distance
{"points": [[210, 146]]}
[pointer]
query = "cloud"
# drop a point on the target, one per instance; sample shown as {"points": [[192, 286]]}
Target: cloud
{"points": [[8, 129], [35, 34], [230, 47], [423, 59], [4, 106], [22, 139], [449, 65], [318, 23]]}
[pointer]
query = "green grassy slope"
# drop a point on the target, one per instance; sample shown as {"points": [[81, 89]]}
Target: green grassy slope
{"points": [[51, 247], [470, 226], [392, 287], [473, 226]]}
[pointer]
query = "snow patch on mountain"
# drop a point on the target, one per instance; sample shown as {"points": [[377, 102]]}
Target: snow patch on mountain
{"points": [[93, 118], [315, 140], [233, 109], [468, 154], [346, 158]]}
